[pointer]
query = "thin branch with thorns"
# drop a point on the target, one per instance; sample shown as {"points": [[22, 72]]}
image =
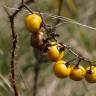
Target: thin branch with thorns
{"points": [[14, 45]]}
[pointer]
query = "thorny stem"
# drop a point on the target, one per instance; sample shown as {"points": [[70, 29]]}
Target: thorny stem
{"points": [[14, 43], [17, 11]]}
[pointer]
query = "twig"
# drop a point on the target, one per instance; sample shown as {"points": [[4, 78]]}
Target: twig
{"points": [[14, 43], [79, 56], [24, 5], [59, 11], [76, 54], [58, 14], [36, 74]]}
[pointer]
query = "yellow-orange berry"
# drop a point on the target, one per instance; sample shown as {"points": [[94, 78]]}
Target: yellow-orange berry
{"points": [[33, 22], [61, 70]]}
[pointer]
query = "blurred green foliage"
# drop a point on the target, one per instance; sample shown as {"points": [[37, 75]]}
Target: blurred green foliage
{"points": [[82, 39]]}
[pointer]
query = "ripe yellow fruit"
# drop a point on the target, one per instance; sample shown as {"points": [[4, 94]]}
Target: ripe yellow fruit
{"points": [[54, 53], [61, 70], [91, 74], [77, 73], [33, 22]]}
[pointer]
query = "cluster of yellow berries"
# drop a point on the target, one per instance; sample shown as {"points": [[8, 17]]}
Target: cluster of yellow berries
{"points": [[76, 73], [55, 52], [62, 69]]}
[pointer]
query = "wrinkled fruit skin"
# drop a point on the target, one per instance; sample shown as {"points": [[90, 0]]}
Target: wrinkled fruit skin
{"points": [[37, 39], [54, 54], [77, 73], [33, 22], [60, 69], [91, 74]]}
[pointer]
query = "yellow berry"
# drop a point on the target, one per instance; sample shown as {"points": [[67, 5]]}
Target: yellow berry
{"points": [[77, 73], [91, 74], [33, 22], [61, 70], [54, 53]]}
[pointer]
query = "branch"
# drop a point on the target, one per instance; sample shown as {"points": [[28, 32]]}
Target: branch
{"points": [[14, 43], [59, 10], [76, 54], [58, 13], [36, 75]]}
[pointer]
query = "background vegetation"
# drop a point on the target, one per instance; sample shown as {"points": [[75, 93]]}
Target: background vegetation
{"points": [[28, 60]]}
